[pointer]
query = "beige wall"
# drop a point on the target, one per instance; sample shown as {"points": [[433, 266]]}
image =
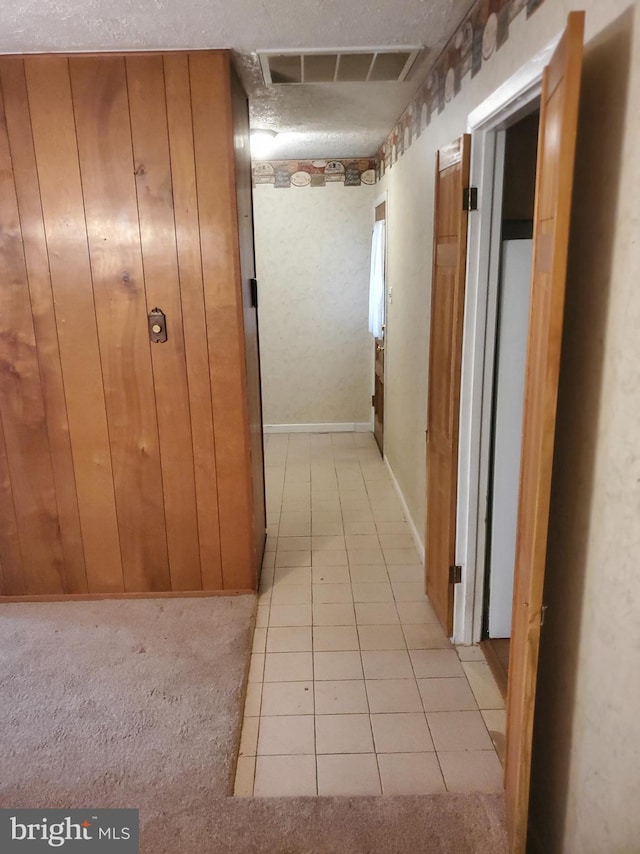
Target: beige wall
{"points": [[587, 743], [312, 258]]}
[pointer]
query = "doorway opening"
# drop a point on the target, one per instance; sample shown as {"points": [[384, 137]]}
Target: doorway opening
{"points": [[557, 90], [510, 113], [514, 192], [378, 315]]}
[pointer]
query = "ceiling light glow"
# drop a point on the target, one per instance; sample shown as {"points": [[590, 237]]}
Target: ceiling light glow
{"points": [[262, 142]]}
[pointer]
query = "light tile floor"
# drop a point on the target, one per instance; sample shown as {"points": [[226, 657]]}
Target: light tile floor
{"points": [[353, 687]]}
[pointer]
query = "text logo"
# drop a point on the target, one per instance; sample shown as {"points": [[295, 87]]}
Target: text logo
{"points": [[106, 831]]}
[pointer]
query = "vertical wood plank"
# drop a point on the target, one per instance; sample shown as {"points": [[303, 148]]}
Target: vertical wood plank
{"points": [[101, 109], [185, 202], [147, 104], [11, 571], [213, 139], [46, 334], [21, 403], [49, 93]]}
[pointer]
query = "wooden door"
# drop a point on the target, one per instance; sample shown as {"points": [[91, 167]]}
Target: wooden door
{"points": [[123, 463], [445, 357], [378, 360], [378, 392], [556, 146]]}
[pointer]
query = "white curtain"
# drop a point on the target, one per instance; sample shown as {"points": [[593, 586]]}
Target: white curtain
{"points": [[376, 282]]}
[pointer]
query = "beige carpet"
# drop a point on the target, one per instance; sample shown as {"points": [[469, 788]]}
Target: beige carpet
{"points": [[435, 824], [121, 703], [138, 703]]}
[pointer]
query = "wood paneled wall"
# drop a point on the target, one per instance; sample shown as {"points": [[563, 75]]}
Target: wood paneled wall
{"points": [[125, 466]]}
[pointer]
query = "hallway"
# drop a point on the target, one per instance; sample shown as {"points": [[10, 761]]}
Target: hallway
{"points": [[354, 688]]}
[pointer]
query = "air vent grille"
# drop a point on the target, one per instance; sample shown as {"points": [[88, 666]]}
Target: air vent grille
{"points": [[344, 66]]}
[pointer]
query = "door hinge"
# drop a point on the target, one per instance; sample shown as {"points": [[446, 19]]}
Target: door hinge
{"points": [[455, 574], [253, 285], [470, 199], [373, 400]]}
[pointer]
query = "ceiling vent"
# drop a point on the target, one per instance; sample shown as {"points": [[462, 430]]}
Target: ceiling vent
{"points": [[362, 65]]}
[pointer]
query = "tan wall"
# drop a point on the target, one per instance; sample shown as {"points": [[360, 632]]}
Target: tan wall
{"points": [[588, 738], [313, 249]]}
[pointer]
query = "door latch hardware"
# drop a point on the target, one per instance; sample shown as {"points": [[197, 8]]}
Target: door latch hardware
{"points": [[455, 574], [253, 284], [157, 326]]}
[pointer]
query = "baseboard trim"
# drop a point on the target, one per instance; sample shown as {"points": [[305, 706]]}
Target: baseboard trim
{"points": [[95, 597], [414, 531], [330, 427]]}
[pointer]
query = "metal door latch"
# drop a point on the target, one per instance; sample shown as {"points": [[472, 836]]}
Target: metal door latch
{"points": [[157, 326]]}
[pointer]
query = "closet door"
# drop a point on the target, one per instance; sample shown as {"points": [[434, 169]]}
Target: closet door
{"points": [[445, 359], [123, 460]]}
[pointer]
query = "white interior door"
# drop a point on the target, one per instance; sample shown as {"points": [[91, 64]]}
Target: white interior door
{"points": [[509, 384]]}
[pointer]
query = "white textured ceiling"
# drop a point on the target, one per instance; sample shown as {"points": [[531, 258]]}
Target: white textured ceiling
{"points": [[317, 120]]}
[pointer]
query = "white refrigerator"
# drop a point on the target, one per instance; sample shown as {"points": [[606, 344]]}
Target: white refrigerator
{"points": [[513, 322]]}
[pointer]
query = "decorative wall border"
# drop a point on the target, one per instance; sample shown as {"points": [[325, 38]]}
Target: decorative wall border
{"points": [[314, 173], [483, 31]]}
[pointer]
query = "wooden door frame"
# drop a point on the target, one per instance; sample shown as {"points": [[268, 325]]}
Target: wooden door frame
{"points": [[561, 65], [508, 103]]}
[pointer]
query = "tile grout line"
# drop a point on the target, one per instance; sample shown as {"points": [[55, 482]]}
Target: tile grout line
{"points": [[343, 486], [255, 769], [373, 740], [426, 718]]}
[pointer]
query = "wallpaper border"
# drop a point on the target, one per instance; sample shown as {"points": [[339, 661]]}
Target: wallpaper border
{"points": [[352, 172], [483, 30]]}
